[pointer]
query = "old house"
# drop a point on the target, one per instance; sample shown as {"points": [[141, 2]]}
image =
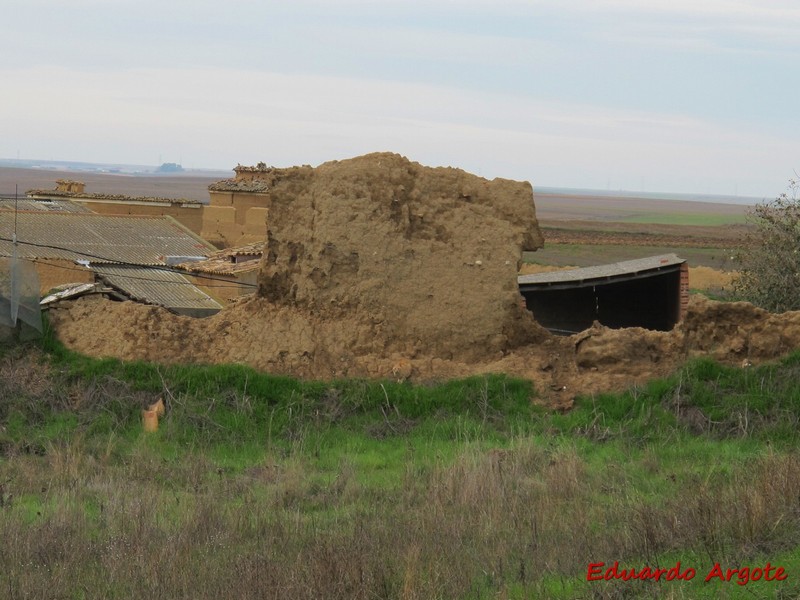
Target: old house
{"points": [[188, 213], [237, 210], [227, 274], [124, 252]]}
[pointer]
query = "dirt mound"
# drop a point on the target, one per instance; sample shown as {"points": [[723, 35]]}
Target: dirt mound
{"points": [[734, 331], [259, 334]]}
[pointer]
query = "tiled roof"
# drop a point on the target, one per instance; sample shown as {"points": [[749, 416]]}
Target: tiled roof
{"points": [[246, 250], [236, 185], [42, 205], [600, 273], [108, 197], [99, 238], [222, 261], [156, 286]]}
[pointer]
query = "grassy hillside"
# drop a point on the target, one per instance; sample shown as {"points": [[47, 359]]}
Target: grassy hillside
{"points": [[258, 486]]}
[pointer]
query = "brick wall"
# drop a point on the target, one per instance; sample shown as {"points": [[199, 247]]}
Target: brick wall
{"points": [[684, 290]]}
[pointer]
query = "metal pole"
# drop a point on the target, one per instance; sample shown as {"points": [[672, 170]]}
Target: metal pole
{"points": [[16, 203]]}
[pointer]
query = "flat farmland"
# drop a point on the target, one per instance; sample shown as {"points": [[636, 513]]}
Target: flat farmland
{"points": [[632, 209], [579, 229], [590, 230], [186, 185]]}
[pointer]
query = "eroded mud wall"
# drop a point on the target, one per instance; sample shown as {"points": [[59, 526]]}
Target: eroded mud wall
{"points": [[426, 258]]}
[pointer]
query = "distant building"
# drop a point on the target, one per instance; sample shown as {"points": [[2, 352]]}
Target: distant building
{"points": [[170, 168]]}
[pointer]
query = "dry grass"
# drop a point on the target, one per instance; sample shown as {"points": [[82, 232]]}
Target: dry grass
{"points": [[533, 268], [116, 513], [487, 523], [706, 278]]}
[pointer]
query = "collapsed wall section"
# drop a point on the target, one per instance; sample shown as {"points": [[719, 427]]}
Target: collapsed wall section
{"points": [[425, 259]]}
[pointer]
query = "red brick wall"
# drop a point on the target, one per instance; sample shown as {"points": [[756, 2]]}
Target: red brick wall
{"points": [[684, 291]]}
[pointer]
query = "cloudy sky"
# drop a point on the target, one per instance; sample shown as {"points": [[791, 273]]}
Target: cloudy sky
{"points": [[655, 95]]}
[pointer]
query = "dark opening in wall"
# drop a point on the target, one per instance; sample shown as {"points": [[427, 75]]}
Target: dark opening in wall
{"points": [[647, 293]]}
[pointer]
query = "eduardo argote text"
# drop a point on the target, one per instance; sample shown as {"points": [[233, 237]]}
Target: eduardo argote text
{"points": [[740, 575]]}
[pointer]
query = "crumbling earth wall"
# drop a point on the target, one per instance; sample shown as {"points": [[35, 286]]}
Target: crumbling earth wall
{"points": [[425, 260]]}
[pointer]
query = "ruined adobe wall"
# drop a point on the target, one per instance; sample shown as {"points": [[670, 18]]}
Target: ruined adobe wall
{"points": [[284, 341], [380, 267], [425, 259]]}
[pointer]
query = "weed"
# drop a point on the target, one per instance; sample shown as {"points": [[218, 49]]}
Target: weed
{"points": [[269, 487]]}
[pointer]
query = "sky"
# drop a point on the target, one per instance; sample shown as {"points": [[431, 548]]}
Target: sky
{"points": [[682, 96]]}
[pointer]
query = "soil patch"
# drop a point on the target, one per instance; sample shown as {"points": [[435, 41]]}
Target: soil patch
{"points": [[286, 341]]}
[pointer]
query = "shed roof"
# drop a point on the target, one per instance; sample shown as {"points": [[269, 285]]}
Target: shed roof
{"points": [[99, 238], [156, 286], [629, 269]]}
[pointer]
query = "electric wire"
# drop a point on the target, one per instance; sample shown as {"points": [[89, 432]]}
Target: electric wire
{"points": [[132, 264]]}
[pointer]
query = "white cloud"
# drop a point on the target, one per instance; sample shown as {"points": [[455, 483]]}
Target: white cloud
{"points": [[217, 118]]}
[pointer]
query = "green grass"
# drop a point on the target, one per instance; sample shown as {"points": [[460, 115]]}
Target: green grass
{"points": [[586, 255], [705, 219], [258, 485]]}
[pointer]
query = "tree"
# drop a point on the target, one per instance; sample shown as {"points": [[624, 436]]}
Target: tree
{"points": [[769, 262]]}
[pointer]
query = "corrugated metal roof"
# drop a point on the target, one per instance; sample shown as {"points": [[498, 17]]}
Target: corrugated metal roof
{"points": [[156, 286], [29, 204], [601, 272], [99, 238]]}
